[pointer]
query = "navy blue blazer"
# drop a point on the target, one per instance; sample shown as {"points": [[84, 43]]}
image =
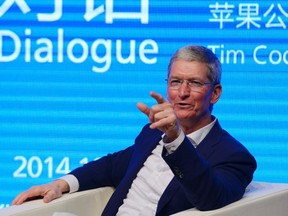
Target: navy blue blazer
{"points": [[211, 176]]}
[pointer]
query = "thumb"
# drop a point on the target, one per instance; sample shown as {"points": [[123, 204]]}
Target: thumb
{"points": [[51, 195], [143, 108]]}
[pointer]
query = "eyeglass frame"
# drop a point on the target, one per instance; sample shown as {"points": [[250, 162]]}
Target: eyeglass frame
{"points": [[197, 84]]}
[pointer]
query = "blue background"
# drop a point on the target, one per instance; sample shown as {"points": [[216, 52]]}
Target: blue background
{"points": [[54, 116]]}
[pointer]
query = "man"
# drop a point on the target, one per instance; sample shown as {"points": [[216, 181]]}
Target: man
{"points": [[182, 159]]}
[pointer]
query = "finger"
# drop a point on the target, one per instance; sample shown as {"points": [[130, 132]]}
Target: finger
{"points": [[17, 201], [22, 198], [162, 119], [51, 195], [143, 108], [146, 110], [33, 193], [158, 97]]}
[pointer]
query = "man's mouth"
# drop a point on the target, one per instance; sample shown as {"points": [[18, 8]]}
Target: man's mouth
{"points": [[183, 105]]}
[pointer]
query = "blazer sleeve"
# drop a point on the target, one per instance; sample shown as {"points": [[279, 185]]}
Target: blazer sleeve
{"points": [[213, 175], [106, 171]]}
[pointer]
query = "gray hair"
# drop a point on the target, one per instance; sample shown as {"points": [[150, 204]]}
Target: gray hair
{"points": [[199, 54]]}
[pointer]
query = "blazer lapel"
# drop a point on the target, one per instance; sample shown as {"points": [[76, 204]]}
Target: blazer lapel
{"points": [[168, 194], [207, 145], [205, 148], [144, 145]]}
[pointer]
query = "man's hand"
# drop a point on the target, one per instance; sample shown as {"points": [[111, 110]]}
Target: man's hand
{"points": [[48, 191], [161, 116]]}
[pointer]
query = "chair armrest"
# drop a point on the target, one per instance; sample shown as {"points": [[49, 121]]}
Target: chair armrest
{"points": [[260, 199], [84, 203]]}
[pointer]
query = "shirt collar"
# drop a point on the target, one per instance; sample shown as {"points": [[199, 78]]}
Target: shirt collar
{"points": [[197, 136]]}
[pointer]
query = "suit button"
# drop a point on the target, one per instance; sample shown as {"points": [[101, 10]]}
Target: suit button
{"points": [[178, 172]]}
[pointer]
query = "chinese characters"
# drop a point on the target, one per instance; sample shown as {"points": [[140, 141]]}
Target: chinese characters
{"points": [[249, 15], [90, 12]]}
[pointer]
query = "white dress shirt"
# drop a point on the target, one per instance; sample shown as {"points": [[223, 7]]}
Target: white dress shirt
{"points": [[152, 179]]}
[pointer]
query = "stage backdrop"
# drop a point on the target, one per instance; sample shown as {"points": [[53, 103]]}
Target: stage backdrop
{"points": [[72, 72]]}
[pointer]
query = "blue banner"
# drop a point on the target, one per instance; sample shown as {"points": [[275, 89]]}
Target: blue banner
{"points": [[72, 72]]}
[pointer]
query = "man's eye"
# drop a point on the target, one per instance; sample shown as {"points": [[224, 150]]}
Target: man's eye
{"points": [[175, 82], [195, 83]]}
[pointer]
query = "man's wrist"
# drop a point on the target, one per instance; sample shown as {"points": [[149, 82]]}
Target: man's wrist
{"points": [[172, 146], [72, 182], [62, 185], [171, 137]]}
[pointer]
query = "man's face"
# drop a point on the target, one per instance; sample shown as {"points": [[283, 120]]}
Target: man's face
{"points": [[191, 102]]}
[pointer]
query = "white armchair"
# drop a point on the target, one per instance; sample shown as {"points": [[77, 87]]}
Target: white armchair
{"points": [[260, 199]]}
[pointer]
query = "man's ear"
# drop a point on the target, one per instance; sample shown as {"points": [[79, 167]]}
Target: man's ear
{"points": [[216, 93]]}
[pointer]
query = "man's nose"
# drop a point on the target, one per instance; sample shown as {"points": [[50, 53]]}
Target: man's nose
{"points": [[184, 89]]}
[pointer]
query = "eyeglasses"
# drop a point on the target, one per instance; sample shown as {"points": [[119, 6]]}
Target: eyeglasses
{"points": [[193, 84]]}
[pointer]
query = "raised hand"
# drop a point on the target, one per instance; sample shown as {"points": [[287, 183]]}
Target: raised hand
{"points": [[161, 116]]}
